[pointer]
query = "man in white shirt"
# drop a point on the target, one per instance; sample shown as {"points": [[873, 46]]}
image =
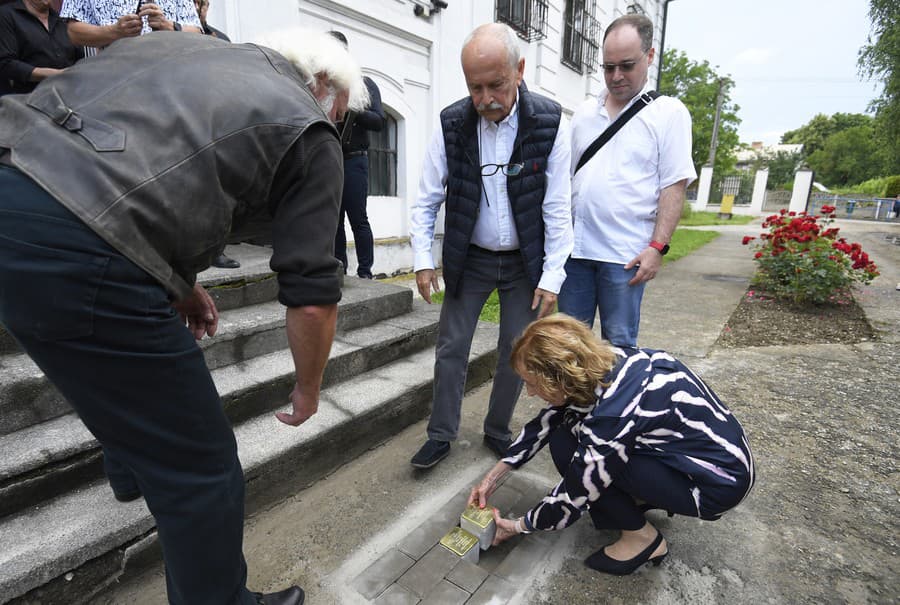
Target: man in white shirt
{"points": [[95, 24], [627, 199], [501, 161]]}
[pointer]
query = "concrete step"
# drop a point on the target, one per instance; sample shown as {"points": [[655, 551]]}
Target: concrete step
{"points": [[63, 549], [252, 283], [27, 397], [46, 459]]}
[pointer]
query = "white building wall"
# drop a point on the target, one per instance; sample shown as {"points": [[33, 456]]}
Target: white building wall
{"points": [[415, 62]]}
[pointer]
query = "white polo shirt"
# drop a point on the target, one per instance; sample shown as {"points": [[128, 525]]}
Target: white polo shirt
{"points": [[616, 194]]}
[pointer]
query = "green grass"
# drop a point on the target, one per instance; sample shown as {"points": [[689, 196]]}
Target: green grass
{"points": [[490, 311], [684, 241], [700, 219]]}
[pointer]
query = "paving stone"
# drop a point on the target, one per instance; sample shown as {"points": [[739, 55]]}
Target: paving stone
{"points": [[428, 571], [494, 591], [396, 595], [523, 561], [494, 556], [429, 533], [467, 576], [505, 498], [382, 573], [446, 593]]}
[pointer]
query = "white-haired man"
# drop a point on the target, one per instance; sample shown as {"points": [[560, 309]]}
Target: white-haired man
{"points": [[128, 196], [501, 161]]}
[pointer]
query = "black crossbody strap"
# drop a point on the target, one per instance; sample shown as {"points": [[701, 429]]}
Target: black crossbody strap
{"points": [[606, 135]]}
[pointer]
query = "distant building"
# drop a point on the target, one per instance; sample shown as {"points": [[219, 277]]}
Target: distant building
{"points": [[745, 158]]}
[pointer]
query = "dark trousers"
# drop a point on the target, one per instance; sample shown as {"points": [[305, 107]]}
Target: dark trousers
{"points": [[353, 206], [645, 478], [105, 334], [484, 273]]}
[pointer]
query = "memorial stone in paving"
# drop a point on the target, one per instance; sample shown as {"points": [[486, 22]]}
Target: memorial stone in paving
{"points": [[421, 569]]}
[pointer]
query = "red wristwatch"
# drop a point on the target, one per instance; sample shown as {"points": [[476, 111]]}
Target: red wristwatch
{"points": [[659, 247]]}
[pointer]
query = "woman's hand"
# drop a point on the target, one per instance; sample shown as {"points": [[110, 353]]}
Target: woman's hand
{"points": [[506, 529], [482, 492]]}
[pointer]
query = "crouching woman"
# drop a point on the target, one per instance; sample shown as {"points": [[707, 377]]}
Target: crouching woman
{"points": [[629, 430]]}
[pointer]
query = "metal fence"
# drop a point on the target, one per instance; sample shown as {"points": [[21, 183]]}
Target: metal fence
{"points": [[871, 208], [738, 185]]}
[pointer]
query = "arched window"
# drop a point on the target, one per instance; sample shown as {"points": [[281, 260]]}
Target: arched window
{"points": [[383, 158]]}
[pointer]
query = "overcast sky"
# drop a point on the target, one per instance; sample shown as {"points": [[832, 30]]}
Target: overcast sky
{"points": [[790, 59]]}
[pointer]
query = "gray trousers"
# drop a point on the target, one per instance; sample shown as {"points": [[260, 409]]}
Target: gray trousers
{"points": [[484, 272]]}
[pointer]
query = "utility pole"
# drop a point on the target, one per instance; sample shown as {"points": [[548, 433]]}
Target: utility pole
{"points": [[714, 142]]}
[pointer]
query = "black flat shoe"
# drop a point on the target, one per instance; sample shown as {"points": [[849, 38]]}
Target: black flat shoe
{"points": [[290, 596], [498, 446], [127, 496], [430, 454], [225, 262], [599, 561]]}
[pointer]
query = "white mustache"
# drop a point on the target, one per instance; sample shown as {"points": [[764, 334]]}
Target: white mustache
{"points": [[488, 106]]}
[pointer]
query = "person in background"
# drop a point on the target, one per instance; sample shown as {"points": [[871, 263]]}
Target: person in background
{"points": [[627, 199], [629, 430], [99, 258], [222, 260], [202, 7], [96, 24], [34, 44], [355, 144], [501, 160]]}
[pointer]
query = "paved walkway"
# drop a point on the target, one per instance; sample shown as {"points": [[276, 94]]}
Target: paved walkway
{"points": [[819, 527]]}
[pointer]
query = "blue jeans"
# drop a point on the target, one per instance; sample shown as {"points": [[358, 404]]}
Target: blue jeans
{"points": [[593, 285], [105, 334]]}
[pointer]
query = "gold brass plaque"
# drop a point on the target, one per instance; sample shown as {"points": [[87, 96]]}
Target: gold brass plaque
{"points": [[481, 517], [459, 541]]}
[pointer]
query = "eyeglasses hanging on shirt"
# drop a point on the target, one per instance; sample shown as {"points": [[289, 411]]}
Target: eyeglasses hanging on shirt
{"points": [[508, 169]]}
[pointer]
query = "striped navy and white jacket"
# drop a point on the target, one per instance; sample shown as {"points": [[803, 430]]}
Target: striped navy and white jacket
{"points": [[654, 406]]}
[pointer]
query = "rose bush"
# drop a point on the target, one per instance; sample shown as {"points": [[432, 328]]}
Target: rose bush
{"points": [[807, 262]]}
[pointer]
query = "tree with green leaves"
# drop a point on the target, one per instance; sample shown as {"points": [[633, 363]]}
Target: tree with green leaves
{"points": [[880, 59], [697, 86], [782, 165], [848, 157], [814, 133]]}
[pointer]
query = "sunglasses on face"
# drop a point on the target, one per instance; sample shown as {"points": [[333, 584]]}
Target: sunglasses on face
{"points": [[624, 66]]}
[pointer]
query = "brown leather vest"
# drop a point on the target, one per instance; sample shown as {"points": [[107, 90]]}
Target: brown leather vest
{"points": [[158, 142]]}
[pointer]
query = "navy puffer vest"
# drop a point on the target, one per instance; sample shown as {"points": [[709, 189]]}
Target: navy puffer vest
{"points": [[538, 122]]}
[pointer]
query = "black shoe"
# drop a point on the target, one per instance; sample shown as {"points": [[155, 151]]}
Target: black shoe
{"points": [[291, 596], [127, 496], [224, 262], [430, 454], [497, 445], [601, 562]]}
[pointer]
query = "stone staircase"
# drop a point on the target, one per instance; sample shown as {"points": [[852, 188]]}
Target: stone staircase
{"points": [[63, 536]]}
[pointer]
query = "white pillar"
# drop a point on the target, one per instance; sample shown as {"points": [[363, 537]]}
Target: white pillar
{"points": [[802, 186], [759, 191], [703, 188]]}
